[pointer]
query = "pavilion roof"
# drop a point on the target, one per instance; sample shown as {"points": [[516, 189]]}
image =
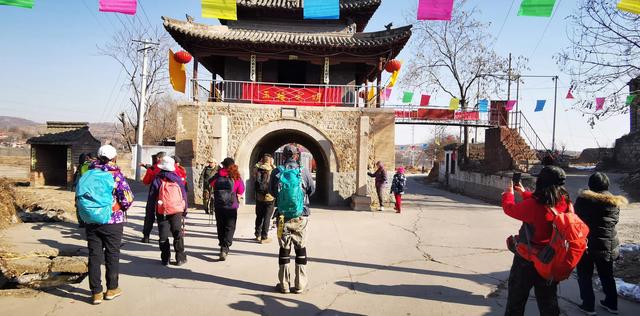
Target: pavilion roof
{"points": [[251, 36]]}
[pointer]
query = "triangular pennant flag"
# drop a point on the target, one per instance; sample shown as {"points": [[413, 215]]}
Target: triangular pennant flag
{"points": [[371, 94], [118, 6], [540, 105], [435, 10], [424, 101], [220, 9], [394, 77], [630, 99], [321, 9], [510, 105], [18, 3], [483, 105], [454, 104], [177, 73], [387, 93], [632, 6], [407, 97], [542, 8], [599, 104], [570, 93]]}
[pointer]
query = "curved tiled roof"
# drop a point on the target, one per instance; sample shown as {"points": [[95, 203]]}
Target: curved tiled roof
{"points": [[63, 138], [297, 4], [259, 37]]}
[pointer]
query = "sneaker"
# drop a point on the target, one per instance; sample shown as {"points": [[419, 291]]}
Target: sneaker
{"points": [[586, 310], [145, 240], [381, 208], [111, 294], [181, 262], [165, 263], [609, 309], [298, 291], [223, 255], [97, 298], [265, 240], [258, 239], [282, 290]]}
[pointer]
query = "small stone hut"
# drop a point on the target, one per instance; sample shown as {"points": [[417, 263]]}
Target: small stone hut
{"points": [[55, 154]]}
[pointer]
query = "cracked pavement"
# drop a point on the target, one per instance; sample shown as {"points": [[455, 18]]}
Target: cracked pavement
{"points": [[444, 255]]}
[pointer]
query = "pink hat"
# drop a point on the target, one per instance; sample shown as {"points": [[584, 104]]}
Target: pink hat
{"points": [[400, 169]]}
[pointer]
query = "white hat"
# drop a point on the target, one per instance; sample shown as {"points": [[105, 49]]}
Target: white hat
{"points": [[167, 164], [107, 151]]}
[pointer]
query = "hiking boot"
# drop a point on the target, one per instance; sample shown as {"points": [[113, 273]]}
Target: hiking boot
{"points": [[587, 311], [265, 240], [283, 290], [145, 240], [609, 309], [297, 290], [181, 262], [97, 298], [165, 263], [223, 254], [381, 208], [111, 294], [258, 239]]}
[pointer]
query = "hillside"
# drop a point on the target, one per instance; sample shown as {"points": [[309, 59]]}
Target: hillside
{"points": [[11, 122]]}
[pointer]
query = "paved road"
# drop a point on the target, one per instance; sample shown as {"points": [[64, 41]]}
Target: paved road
{"points": [[444, 255]]}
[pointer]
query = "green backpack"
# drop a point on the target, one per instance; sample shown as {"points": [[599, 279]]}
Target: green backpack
{"points": [[290, 193]]}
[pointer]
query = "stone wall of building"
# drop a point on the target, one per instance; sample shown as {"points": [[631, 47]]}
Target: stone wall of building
{"points": [[504, 149], [627, 151], [197, 136]]}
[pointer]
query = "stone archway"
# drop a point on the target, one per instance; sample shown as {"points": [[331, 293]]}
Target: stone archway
{"points": [[275, 134]]}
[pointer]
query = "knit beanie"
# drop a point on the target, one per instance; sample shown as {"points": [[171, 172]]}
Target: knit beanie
{"points": [[598, 182]]}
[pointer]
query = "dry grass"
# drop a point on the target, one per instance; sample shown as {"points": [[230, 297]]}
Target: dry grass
{"points": [[19, 161], [7, 203]]}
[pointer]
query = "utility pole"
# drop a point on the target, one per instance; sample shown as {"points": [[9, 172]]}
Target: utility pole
{"points": [[509, 79], [555, 101], [141, 106]]}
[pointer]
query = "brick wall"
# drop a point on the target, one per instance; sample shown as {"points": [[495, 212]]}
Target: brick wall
{"points": [[504, 149], [627, 151]]}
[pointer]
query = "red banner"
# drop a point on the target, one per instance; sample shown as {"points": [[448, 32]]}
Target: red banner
{"points": [[426, 114], [305, 96], [467, 116]]}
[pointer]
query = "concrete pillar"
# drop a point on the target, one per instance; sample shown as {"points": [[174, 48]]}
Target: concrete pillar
{"points": [[361, 201], [220, 137]]}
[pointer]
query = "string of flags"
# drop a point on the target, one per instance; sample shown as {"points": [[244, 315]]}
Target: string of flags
{"points": [[631, 6]]}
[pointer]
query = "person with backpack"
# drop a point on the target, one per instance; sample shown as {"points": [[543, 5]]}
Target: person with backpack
{"points": [[102, 196], [292, 185], [84, 163], [150, 209], [169, 197], [181, 171], [380, 176], [227, 188], [600, 210], [264, 200], [398, 186], [207, 173], [536, 212]]}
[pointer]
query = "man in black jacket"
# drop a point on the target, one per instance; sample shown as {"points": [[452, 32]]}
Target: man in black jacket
{"points": [[600, 210]]}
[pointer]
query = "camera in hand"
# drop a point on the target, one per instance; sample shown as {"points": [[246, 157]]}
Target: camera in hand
{"points": [[517, 176]]}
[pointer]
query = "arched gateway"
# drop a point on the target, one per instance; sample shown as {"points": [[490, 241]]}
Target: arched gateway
{"points": [[277, 78]]}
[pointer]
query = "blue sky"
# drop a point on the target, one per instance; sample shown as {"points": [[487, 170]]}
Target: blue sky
{"points": [[51, 69]]}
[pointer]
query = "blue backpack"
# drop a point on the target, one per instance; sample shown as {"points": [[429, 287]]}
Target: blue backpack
{"points": [[94, 196], [290, 194]]}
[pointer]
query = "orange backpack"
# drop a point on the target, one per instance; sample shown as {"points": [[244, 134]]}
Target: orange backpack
{"points": [[170, 199], [556, 261]]}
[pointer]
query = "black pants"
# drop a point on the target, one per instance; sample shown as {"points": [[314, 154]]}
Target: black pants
{"points": [[264, 212], [226, 226], [605, 272], [380, 193], [522, 278], [103, 242], [171, 225], [149, 219]]}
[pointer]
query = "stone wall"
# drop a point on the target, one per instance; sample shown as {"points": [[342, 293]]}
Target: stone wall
{"points": [[198, 136], [504, 149], [627, 151]]}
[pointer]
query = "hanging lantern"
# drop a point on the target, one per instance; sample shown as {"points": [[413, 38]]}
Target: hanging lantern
{"points": [[393, 66], [182, 57]]}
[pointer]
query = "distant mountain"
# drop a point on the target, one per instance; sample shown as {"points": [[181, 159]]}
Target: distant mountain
{"points": [[10, 122]]}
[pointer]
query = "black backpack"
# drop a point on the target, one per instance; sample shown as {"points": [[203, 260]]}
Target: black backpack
{"points": [[223, 195], [262, 181]]}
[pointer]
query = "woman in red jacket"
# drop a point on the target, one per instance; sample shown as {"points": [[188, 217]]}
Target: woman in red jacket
{"points": [[534, 212]]}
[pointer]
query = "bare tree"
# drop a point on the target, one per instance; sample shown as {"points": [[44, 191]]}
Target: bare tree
{"points": [[603, 56], [453, 56], [161, 123], [126, 52]]}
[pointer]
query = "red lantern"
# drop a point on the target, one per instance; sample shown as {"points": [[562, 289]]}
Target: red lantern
{"points": [[393, 65], [182, 57]]}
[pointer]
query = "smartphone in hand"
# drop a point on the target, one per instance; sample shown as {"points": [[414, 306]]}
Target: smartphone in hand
{"points": [[517, 176]]}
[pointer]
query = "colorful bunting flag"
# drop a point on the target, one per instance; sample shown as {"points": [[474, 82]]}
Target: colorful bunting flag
{"points": [[220, 9], [371, 94], [540, 105], [483, 105], [321, 9], [454, 104], [394, 77], [510, 105], [435, 10], [599, 104], [177, 74], [387, 93], [18, 3], [118, 6], [543, 8], [570, 93], [632, 6], [630, 99], [407, 97], [424, 101]]}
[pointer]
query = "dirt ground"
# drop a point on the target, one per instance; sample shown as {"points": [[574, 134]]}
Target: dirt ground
{"points": [[21, 161]]}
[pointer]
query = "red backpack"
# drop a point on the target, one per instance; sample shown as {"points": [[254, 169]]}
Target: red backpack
{"points": [[170, 199], [556, 261]]}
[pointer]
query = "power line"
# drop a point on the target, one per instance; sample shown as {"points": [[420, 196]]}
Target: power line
{"points": [[145, 14], [545, 29], [504, 22]]}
